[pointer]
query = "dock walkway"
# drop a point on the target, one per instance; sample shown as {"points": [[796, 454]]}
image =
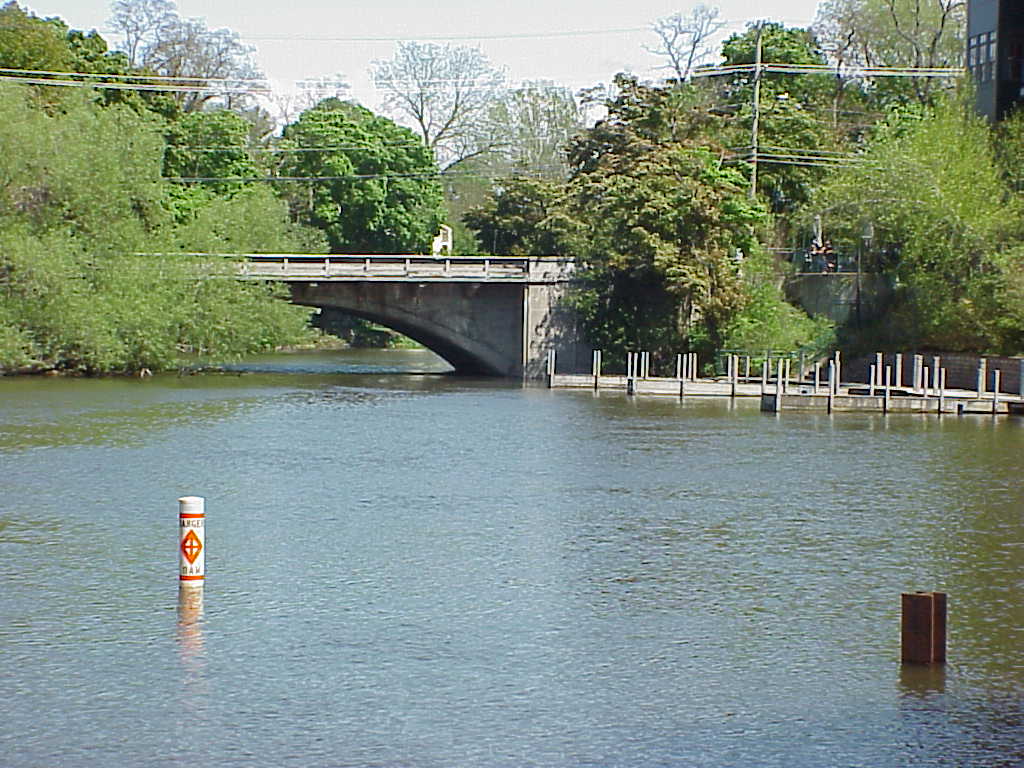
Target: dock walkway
{"points": [[783, 393]]}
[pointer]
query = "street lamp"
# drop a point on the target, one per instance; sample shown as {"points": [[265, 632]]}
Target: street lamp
{"points": [[867, 235]]}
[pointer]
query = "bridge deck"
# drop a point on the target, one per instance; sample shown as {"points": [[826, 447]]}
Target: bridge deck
{"points": [[407, 268]]}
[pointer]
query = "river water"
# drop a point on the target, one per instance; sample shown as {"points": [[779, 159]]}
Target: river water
{"points": [[406, 568]]}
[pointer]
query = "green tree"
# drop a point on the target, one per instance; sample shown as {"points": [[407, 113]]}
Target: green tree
{"points": [[932, 189], [767, 320], [659, 225], [81, 196], [372, 186], [515, 217], [253, 220], [663, 228], [29, 42], [796, 130], [212, 147], [665, 235]]}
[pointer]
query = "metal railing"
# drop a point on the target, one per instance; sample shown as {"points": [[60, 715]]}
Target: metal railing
{"points": [[518, 269]]}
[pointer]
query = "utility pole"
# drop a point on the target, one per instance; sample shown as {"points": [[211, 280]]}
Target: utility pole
{"points": [[755, 123]]}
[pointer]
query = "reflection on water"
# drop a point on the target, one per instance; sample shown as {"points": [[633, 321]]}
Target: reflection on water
{"points": [[190, 628], [425, 570], [922, 680]]}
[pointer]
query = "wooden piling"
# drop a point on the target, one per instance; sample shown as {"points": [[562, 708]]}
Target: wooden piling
{"points": [[995, 391], [942, 390], [898, 364], [982, 365], [871, 380], [923, 628]]}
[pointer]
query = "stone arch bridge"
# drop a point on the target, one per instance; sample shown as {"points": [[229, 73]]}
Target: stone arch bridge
{"points": [[495, 316]]}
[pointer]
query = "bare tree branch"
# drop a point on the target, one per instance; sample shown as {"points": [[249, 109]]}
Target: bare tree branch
{"points": [[685, 39], [160, 40], [446, 91]]}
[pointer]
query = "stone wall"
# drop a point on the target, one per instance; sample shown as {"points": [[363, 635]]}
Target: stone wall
{"points": [[839, 296], [961, 369]]}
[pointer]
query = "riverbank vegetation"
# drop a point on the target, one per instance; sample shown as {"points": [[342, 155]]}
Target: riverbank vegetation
{"points": [[107, 195], [683, 201], [688, 203]]}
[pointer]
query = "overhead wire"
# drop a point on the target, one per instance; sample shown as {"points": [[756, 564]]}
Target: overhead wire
{"points": [[262, 86], [287, 150]]}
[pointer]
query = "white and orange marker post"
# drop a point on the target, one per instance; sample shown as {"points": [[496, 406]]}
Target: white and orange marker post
{"points": [[191, 541]]}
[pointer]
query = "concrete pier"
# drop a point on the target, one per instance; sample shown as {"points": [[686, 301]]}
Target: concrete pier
{"points": [[778, 392]]}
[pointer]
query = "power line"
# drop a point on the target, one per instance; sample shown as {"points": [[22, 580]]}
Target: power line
{"points": [[148, 78], [134, 86], [822, 69], [287, 150], [259, 87], [438, 175]]}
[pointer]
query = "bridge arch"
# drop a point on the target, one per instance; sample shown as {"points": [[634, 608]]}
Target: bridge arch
{"points": [[476, 328], [486, 315]]}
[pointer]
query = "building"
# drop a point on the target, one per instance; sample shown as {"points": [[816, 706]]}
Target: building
{"points": [[995, 54]]}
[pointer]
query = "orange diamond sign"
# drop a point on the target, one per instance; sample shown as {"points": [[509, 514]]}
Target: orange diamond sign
{"points": [[191, 546]]}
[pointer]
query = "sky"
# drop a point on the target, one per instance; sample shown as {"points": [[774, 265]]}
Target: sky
{"points": [[577, 43]]}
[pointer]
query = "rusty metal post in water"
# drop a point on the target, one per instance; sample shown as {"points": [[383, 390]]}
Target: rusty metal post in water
{"points": [[923, 628]]}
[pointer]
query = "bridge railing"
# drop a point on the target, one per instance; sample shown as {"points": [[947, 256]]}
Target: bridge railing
{"points": [[406, 267]]}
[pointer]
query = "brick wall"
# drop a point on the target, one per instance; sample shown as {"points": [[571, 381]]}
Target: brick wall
{"points": [[961, 369]]}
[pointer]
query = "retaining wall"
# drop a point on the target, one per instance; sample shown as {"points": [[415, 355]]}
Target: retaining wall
{"points": [[961, 369]]}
